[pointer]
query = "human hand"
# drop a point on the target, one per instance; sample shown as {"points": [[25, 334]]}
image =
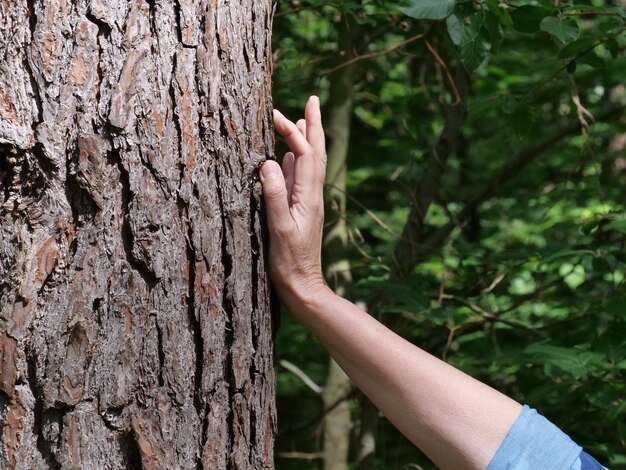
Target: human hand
{"points": [[295, 205]]}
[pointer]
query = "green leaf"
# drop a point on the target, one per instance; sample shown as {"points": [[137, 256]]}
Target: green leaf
{"points": [[590, 226], [523, 284], [456, 30], [617, 10], [616, 306], [402, 296], [494, 28], [470, 38], [617, 412], [527, 18], [567, 253], [612, 345], [564, 29], [575, 277], [609, 23], [577, 47], [592, 59], [585, 9], [428, 9], [576, 362], [473, 53], [502, 14], [547, 4], [618, 225], [613, 47]]}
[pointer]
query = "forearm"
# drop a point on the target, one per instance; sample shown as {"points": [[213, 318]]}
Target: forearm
{"points": [[456, 420]]}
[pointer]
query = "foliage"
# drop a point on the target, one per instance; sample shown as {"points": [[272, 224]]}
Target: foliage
{"points": [[526, 290]]}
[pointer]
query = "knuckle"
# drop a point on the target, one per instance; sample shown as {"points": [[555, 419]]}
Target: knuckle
{"points": [[275, 192]]}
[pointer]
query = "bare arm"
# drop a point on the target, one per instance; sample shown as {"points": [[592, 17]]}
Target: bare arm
{"points": [[456, 420]]}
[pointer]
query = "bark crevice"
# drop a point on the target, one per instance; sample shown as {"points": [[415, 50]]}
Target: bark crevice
{"points": [[32, 23], [128, 237], [194, 323], [160, 351], [128, 442], [43, 445], [227, 311], [82, 203]]}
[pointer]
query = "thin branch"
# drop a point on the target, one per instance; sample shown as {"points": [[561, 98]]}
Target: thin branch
{"points": [[444, 354], [494, 284], [303, 8], [444, 66], [300, 455], [372, 55], [509, 170], [357, 245], [306, 380], [584, 115], [369, 212], [578, 56], [320, 416], [589, 12], [491, 317]]}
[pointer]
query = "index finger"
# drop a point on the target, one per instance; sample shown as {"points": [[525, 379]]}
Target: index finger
{"points": [[295, 140]]}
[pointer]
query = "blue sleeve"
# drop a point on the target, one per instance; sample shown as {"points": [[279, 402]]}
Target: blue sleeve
{"points": [[534, 443], [587, 462]]}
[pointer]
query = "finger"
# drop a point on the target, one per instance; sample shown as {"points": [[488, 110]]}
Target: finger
{"points": [[275, 195], [316, 138], [305, 172], [314, 129], [301, 125], [296, 141], [288, 166]]}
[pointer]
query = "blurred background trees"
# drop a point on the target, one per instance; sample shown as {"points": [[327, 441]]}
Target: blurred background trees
{"points": [[475, 204]]}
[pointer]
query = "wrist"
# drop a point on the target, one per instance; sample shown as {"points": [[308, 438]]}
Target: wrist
{"points": [[302, 295]]}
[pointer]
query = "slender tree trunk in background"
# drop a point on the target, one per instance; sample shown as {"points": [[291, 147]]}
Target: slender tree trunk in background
{"points": [[338, 421], [135, 325], [368, 433], [410, 243], [410, 247]]}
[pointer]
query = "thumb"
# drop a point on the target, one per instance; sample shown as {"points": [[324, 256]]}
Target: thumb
{"points": [[275, 195]]}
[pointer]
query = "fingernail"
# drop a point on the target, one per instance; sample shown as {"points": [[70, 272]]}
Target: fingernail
{"points": [[314, 99], [269, 170]]}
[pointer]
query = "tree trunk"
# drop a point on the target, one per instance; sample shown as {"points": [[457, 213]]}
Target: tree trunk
{"points": [[135, 322], [337, 388]]}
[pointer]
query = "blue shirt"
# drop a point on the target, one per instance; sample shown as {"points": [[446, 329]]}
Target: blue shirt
{"points": [[534, 443]]}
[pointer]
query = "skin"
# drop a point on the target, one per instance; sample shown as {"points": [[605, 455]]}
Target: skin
{"points": [[456, 420]]}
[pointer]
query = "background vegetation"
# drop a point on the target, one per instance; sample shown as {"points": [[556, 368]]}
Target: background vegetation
{"points": [[483, 213]]}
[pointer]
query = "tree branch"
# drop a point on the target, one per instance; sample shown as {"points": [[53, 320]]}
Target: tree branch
{"points": [[408, 247], [507, 172], [300, 455], [491, 317], [306, 380], [372, 55]]}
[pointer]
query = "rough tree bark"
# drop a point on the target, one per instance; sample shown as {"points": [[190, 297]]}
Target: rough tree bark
{"points": [[135, 326]]}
